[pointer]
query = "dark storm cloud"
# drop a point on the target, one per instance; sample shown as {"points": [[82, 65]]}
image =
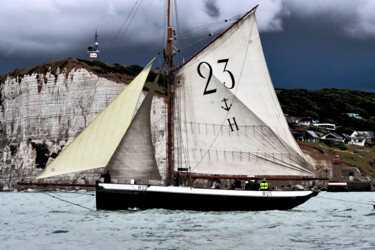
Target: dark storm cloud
{"points": [[307, 44], [315, 54], [34, 32], [354, 18], [211, 8]]}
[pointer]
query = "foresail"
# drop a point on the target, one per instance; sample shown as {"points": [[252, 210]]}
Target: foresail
{"points": [[95, 145], [221, 136], [134, 157]]}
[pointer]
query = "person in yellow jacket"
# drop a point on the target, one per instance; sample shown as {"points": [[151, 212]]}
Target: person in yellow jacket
{"points": [[264, 185]]}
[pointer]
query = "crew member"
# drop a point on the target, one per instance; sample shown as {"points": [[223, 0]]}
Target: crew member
{"points": [[107, 177], [217, 185], [264, 185], [237, 184], [255, 185], [247, 185]]}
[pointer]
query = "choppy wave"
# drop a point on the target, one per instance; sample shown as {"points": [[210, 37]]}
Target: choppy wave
{"points": [[331, 220]]}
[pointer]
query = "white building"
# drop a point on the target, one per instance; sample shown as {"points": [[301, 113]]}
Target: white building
{"points": [[94, 50], [326, 126]]}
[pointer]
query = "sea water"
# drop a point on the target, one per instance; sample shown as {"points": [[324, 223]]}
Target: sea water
{"points": [[46, 221]]}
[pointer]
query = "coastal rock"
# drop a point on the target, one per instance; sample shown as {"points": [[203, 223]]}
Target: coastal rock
{"points": [[41, 113], [298, 187]]}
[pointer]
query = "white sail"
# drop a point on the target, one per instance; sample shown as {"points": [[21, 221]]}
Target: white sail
{"points": [[227, 112], [134, 157], [95, 145]]}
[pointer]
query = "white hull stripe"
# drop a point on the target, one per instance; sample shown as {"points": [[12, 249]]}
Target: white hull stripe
{"points": [[337, 184], [201, 191]]}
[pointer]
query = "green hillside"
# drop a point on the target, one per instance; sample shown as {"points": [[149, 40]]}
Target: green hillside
{"points": [[114, 72], [362, 158], [328, 105]]}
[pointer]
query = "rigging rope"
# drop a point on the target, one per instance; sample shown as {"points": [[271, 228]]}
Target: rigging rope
{"points": [[198, 41], [135, 12], [235, 18], [176, 31], [191, 33], [164, 33], [131, 16], [78, 195], [367, 203], [72, 203]]}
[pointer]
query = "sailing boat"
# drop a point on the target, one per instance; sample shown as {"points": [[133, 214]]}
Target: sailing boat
{"points": [[225, 123]]}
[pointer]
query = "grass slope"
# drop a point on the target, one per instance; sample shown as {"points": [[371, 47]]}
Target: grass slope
{"points": [[362, 158], [328, 105], [114, 72]]}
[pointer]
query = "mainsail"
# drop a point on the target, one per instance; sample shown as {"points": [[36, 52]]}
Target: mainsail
{"points": [[134, 157], [227, 113], [96, 144]]}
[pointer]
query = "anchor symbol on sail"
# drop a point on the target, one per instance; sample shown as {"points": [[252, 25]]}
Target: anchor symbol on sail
{"points": [[227, 108]]}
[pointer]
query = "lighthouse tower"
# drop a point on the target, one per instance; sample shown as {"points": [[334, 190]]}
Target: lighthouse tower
{"points": [[93, 50], [336, 169]]}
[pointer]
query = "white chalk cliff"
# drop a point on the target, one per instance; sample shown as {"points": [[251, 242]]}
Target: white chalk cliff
{"points": [[41, 113]]}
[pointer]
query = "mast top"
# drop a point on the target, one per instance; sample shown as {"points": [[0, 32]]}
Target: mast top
{"points": [[169, 44]]}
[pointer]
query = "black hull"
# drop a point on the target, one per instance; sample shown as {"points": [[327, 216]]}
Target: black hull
{"points": [[129, 199], [351, 186]]}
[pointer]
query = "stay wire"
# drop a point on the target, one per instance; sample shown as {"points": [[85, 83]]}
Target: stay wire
{"points": [[361, 202], [131, 20], [72, 203], [205, 26], [198, 41], [78, 195], [122, 26], [164, 33], [189, 34], [126, 24]]}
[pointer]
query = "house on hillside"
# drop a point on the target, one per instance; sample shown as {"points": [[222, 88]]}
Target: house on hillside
{"points": [[333, 137], [305, 121], [352, 140], [298, 121], [368, 135], [309, 136], [295, 127], [326, 126], [351, 115], [291, 119]]}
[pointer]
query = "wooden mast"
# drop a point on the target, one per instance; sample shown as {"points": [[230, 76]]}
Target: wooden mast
{"points": [[169, 61]]}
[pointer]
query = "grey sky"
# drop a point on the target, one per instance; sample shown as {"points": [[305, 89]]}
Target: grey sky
{"points": [[38, 31]]}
